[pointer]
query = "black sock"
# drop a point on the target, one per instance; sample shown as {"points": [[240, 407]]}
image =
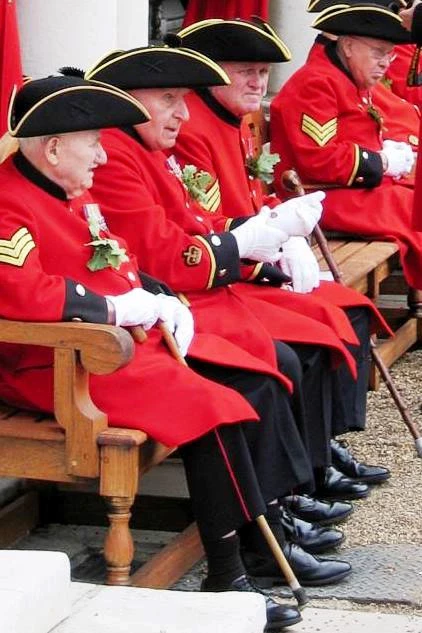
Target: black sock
{"points": [[224, 561], [251, 537]]}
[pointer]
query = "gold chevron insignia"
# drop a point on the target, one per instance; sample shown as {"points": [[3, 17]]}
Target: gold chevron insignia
{"points": [[16, 250], [320, 133], [211, 199]]}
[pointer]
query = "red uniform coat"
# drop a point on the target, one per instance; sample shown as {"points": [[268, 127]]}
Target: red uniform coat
{"points": [[214, 141], [10, 59], [44, 277], [322, 125], [173, 239]]}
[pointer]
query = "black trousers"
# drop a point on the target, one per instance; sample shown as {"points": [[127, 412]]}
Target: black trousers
{"points": [[235, 470], [308, 366], [349, 395]]}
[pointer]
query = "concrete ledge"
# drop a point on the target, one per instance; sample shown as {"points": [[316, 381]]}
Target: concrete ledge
{"points": [[335, 621], [34, 590], [121, 609]]}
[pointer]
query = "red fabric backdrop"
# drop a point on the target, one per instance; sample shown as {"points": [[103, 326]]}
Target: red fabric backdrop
{"points": [[10, 59], [204, 9]]}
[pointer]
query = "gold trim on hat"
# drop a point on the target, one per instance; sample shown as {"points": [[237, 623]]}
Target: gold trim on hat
{"points": [[321, 18], [101, 87], [184, 52], [271, 35]]}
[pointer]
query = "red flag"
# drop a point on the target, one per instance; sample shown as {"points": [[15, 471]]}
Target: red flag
{"points": [[227, 9], [10, 58]]}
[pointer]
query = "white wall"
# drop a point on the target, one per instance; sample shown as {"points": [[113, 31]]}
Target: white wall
{"points": [[58, 33], [292, 22]]}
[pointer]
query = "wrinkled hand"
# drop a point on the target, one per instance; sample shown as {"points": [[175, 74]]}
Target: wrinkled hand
{"points": [[400, 158], [258, 241], [297, 216], [298, 261], [136, 307], [178, 319], [407, 16]]}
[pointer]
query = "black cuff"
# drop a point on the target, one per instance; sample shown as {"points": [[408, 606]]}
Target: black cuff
{"points": [[369, 171], [271, 276], [235, 222], [83, 305], [155, 286], [416, 31], [226, 258]]}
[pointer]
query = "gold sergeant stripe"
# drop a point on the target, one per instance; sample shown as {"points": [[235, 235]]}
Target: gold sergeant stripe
{"points": [[16, 250], [355, 166], [320, 133], [212, 260], [212, 198]]}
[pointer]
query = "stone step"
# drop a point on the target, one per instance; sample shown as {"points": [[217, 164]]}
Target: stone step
{"points": [[99, 609], [34, 590]]}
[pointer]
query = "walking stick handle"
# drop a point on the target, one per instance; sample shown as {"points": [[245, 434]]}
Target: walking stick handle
{"points": [[298, 591], [138, 334], [171, 343]]}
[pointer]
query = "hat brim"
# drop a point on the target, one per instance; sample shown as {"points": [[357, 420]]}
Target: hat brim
{"points": [[75, 108], [315, 6], [364, 20], [158, 67]]}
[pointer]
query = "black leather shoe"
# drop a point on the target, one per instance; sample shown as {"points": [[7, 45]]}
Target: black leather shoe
{"points": [[278, 615], [344, 461], [338, 486], [309, 570], [316, 511], [312, 538]]}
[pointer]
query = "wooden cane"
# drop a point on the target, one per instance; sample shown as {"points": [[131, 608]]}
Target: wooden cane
{"points": [[291, 182], [298, 591]]}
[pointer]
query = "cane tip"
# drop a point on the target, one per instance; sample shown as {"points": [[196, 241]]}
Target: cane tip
{"points": [[301, 597]]}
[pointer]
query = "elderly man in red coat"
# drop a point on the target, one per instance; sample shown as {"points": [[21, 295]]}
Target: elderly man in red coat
{"points": [[324, 123], [229, 155], [59, 261]]}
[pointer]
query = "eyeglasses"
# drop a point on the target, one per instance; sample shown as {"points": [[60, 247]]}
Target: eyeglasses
{"points": [[376, 53]]}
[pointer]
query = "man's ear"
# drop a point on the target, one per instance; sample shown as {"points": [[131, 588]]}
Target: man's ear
{"points": [[346, 46], [52, 149]]}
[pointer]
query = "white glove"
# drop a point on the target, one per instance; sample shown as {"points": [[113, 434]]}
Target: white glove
{"points": [[136, 307], [258, 241], [178, 319], [400, 158], [299, 262], [297, 216]]}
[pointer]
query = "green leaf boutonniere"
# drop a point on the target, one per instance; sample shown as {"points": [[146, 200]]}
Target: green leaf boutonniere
{"points": [[262, 166], [378, 118], [107, 252], [196, 182]]}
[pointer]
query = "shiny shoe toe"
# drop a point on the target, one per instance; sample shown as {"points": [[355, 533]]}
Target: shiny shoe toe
{"points": [[309, 570], [278, 615], [338, 486], [317, 511], [312, 538], [344, 461]]}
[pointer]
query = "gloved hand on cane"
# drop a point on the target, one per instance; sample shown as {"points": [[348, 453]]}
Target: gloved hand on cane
{"points": [[297, 216]]}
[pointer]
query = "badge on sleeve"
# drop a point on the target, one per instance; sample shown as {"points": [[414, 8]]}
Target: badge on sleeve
{"points": [[321, 133], [16, 250], [192, 255]]}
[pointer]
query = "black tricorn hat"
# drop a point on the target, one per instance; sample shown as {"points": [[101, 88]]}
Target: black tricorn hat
{"points": [[56, 105], [362, 19], [158, 67], [315, 6], [236, 41]]}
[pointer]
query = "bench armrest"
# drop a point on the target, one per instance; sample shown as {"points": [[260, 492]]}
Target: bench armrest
{"points": [[103, 348]]}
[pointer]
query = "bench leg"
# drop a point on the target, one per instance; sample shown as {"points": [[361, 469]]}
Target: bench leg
{"points": [[118, 544]]}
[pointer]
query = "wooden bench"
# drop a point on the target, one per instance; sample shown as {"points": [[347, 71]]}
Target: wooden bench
{"points": [[77, 446]]}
